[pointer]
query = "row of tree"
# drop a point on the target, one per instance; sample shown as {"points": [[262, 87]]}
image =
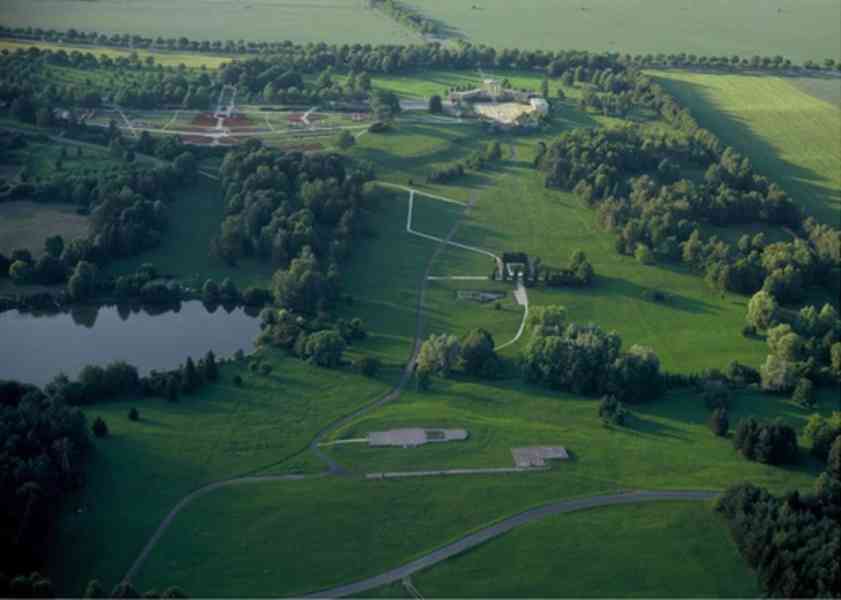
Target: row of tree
{"points": [[463, 55]]}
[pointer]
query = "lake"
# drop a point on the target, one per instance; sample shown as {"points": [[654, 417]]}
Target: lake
{"points": [[36, 347]]}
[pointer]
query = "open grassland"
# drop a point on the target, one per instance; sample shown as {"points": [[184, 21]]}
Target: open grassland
{"points": [[195, 218], [332, 21], [167, 59], [806, 30], [665, 445], [789, 135], [28, 224], [384, 273], [514, 211], [143, 468], [292, 537], [671, 550]]}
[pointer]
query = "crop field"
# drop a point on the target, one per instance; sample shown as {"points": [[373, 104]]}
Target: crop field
{"points": [[28, 224], [806, 30], [655, 551], [333, 21], [142, 469], [790, 135]]}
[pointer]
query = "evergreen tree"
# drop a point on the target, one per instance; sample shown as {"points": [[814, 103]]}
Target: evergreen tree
{"points": [[719, 422], [189, 377], [94, 589], [211, 369]]}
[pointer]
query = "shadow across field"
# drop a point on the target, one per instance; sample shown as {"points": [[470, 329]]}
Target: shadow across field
{"points": [[806, 186]]}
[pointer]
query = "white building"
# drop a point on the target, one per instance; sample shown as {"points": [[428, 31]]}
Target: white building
{"points": [[540, 105]]}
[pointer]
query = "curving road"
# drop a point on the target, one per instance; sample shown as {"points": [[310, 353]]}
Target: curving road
{"points": [[333, 468], [474, 539]]}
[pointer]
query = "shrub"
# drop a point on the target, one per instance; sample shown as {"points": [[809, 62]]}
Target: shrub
{"points": [[367, 365], [719, 422], [612, 411], [238, 380], [133, 414], [99, 427], [804, 393]]}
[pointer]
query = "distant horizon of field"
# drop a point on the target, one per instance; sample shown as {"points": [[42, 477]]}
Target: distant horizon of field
{"points": [[722, 27]]}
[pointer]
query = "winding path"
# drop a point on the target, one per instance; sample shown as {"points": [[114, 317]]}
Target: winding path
{"points": [[520, 292], [483, 535], [333, 468]]}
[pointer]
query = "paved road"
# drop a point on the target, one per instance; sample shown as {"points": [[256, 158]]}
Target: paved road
{"points": [[504, 526], [333, 468], [194, 495]]}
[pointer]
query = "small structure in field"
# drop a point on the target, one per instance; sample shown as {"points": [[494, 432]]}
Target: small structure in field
{"points": [[536, 456], [479, 296], [414, 436]]}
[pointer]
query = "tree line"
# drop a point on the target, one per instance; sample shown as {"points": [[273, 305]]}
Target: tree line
{"points": [[466, 55]]}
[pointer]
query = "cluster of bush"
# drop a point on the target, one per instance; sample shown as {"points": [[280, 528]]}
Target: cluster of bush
{"points": [[316, 339], [801, 345], [477, 161], [442, 354], [407, 15], [584, 359], [578, 273]]}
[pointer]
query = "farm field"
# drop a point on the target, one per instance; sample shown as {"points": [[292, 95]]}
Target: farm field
{"points": [[28, 224], [222, 431], [339, 21], [657, 551], [789, 135], [806, 30]]}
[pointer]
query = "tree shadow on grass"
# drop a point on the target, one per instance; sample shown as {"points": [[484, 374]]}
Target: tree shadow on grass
{"points": [[802, 183], [605, 286], [639, 426]]}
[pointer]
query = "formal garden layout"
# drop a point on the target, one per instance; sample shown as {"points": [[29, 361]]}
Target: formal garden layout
{"points": [[400, 299]]}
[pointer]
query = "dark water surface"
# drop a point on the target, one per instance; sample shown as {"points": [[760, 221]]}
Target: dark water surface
{"points": [[36, 347]]}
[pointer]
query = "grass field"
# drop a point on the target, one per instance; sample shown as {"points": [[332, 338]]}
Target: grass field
{"points": [[194, 219], [672, 550], [667, 443], [806, 30], [789, 135], [515, 212], [144, 467], [29, 224], [279, 538], [338, 21]]}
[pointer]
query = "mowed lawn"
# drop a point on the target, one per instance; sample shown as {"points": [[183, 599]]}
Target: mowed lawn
{"points": [[664, 550], [330, 21], [289, 538], [667, 443], [809, 29], [143, 468], [792, 137]]}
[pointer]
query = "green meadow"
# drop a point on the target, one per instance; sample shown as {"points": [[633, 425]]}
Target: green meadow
{"points": [[669, 550], [790, 135], [143, 468]]}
